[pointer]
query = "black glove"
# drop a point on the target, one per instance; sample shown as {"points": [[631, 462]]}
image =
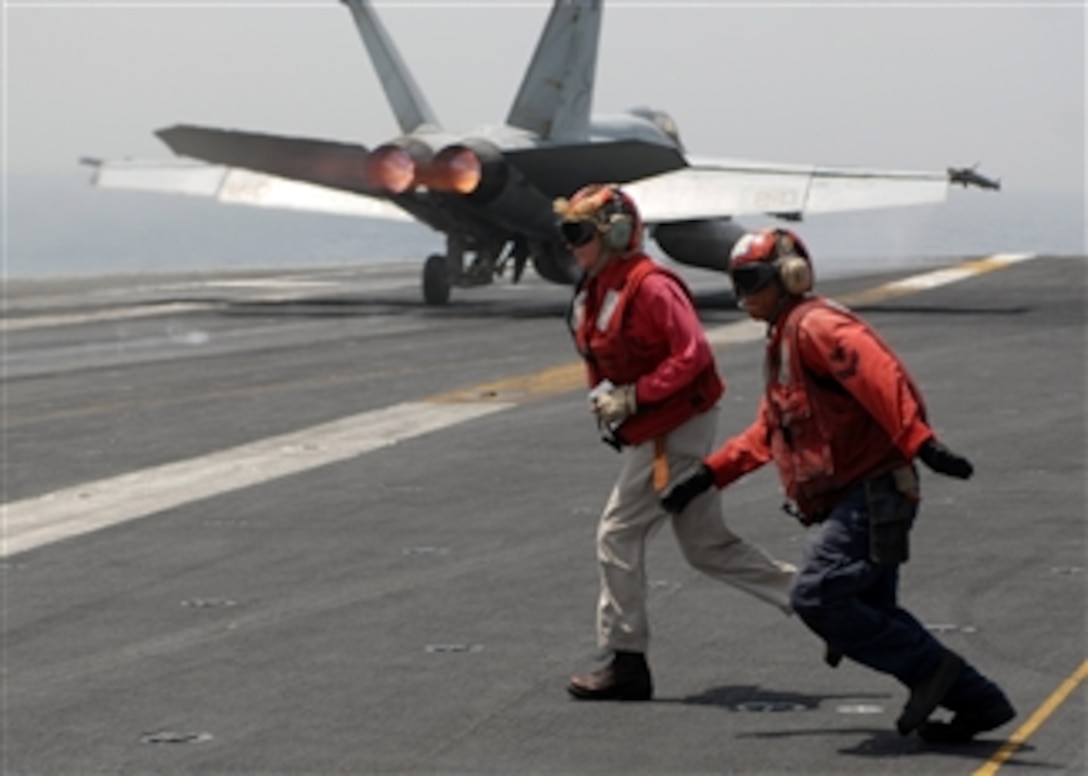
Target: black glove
{"points": [[943, 461], [681, 493]]}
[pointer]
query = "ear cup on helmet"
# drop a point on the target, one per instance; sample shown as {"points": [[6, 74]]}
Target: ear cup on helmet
{"points": [[618, 231], [778, 250], [795, 274]]}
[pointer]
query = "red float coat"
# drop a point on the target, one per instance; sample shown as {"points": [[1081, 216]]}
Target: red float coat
{"points": [[839, 407], [634, 323]]}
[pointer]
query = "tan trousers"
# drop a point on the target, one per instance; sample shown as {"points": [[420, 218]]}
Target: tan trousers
{"points": [[634, 513]]}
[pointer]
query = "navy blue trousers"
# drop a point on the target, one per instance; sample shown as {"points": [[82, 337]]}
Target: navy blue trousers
{"points": [[852, 603]]}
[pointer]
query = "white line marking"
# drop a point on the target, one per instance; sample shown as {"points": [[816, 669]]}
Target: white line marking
{"points": [[270, 283], [144, 311], [943, 277], [77, 510], [737, 332]]}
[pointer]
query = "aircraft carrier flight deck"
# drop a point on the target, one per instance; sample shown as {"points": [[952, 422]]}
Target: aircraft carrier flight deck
{"points": [[297, 522]]}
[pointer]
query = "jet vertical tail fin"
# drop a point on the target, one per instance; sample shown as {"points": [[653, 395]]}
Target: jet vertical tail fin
{"points": [[405, 98], [556, 93]]}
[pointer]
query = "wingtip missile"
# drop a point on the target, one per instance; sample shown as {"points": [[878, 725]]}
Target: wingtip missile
{"points": [[969, 176]]}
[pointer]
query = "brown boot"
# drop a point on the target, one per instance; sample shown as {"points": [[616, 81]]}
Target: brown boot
{"points": [[626, 678]]}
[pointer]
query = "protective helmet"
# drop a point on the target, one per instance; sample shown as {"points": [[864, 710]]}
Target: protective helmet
{"points": [[603, 209], [760, 257]]}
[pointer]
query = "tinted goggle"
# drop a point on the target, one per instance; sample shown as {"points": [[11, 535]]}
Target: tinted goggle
{"points": [[577, 233], [752, 277]]}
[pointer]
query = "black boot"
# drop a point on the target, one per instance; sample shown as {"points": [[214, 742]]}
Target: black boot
{"points": [[832, 656], [928, 694], [966, 724], [626, 678]]}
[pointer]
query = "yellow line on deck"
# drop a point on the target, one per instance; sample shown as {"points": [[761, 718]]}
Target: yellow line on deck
{"points": [[548, 382], [1050, 705]]}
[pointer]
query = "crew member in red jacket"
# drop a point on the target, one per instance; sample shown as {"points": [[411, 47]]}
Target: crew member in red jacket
{"points": [[843, 421], [654, 391]]}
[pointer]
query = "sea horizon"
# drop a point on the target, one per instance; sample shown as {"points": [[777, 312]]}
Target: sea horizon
{"points": [[57, 224]]}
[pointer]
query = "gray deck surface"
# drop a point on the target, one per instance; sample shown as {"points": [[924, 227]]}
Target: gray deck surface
{"points": [[419, 607]]}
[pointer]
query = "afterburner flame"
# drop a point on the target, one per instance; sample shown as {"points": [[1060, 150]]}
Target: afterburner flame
{"points": [[455, 168], [390, 168]]}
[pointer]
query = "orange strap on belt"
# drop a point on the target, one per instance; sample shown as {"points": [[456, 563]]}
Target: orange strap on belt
{"points": [[661, 465]]}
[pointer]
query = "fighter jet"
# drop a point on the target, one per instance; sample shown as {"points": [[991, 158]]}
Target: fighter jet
{"points": [[490, 191]]}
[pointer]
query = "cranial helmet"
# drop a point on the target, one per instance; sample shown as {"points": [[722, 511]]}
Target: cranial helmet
{"points": [[769, 254], [602, 209]]}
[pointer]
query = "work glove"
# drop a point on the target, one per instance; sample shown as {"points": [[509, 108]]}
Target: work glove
{"points": [[613, 404], [677, 496], [943, 461]]}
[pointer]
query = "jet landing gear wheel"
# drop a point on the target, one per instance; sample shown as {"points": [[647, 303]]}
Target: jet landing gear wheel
{"points": [[436, 280]]}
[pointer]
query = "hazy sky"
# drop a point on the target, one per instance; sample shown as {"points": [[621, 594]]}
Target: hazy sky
{"points": [[902, 86]]}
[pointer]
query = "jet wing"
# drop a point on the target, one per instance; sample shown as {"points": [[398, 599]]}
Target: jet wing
{"points": [[233, 185], [322, 162], [714, 189]]}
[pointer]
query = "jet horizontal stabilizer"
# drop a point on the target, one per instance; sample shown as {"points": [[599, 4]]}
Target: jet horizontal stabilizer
{"points": [[335, 165]]}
